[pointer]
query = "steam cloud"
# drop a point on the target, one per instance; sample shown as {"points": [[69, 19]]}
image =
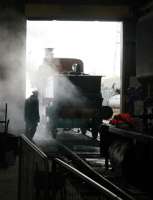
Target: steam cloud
{"points": [[57, 89], [12, 78]]}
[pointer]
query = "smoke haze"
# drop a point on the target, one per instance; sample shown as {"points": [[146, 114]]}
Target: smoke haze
{"points": [[55, 89], [12, 71]]}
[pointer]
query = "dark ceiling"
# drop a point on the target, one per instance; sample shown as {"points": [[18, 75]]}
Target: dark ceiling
{"points": [[100, 2], [137, 8]]}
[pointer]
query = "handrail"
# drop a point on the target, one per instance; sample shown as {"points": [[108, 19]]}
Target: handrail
{"points": [[34, 147], [87, 179], [81, 169], [130, 133], [31, 146], [89, 171]]}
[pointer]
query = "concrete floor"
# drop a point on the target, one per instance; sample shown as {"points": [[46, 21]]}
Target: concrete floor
{"points": [[9, 182]]}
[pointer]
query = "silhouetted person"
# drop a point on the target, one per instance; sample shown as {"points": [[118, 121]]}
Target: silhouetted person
{"points": [[31, 114]]}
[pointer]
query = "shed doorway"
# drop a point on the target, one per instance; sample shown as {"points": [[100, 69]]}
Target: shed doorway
{"points": [[97, 43]]}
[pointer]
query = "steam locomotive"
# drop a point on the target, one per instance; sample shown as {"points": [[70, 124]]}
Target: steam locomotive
{"points": [[77, 100]]}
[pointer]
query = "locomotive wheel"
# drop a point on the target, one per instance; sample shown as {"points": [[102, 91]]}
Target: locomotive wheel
{"points": [[94, 132], [83, 131]]}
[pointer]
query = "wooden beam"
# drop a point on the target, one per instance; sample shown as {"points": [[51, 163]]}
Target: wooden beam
{"points": [[88, 12]]}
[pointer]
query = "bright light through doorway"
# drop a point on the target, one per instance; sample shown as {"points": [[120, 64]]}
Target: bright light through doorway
{"points": [[98, 44]]}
